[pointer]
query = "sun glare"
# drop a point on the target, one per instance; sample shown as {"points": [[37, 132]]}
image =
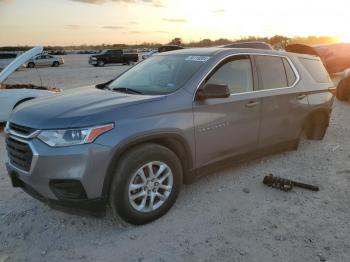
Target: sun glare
{"points": [[344, 39]]}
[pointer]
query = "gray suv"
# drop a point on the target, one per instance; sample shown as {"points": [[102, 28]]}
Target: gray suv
{"points": [[130, 143]]}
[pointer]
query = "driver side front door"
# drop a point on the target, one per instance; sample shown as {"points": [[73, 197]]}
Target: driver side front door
{"points": [[228, 127]]}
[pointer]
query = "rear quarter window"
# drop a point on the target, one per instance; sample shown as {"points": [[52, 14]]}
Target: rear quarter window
{"points": [[316, 69]]}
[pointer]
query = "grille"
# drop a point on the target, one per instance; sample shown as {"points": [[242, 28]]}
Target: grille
{"points": [[19, 153], [22, 130]]}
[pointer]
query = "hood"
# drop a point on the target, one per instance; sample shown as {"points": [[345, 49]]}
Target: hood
{"points": [[78, 107], [20, 60]]}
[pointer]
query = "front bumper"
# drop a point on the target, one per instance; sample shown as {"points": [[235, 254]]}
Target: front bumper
{"points": [[95, 207], [87, 164]]}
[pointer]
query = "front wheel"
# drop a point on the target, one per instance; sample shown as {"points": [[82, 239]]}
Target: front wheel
{"points": [[146, 184], [31, 65], [100, 63], [55, 64]]}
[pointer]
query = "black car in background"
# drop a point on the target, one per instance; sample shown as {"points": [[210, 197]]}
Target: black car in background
{"points": [[167, 48], [117, 56]]}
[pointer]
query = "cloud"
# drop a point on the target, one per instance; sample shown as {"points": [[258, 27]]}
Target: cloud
{"points": [[6, 1], [113, 27], [74, 27], [175, 20], [219, 11], [156, 3], [160, 31], [135, 32]]}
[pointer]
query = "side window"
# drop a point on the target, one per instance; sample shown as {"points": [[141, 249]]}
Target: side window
{"points": [[272, 73], [237, 74], [291, 77]]}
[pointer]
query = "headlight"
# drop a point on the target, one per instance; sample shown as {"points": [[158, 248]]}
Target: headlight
{"points": [[70, 137], [93, 58]]}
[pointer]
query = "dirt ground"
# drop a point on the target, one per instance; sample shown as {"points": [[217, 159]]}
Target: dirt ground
{"points": [[228, 216]]}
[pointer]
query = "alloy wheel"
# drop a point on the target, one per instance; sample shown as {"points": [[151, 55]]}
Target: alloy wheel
{"points": [[150, 186]]}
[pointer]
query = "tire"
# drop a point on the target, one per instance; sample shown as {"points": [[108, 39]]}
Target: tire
{"points": [[55, 64], [31, 65], [100, 63], [343, 89], [139, 211], [316, 127]]}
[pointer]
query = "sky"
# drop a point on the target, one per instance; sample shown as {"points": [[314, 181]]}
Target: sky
{"points": [[76, 22]]}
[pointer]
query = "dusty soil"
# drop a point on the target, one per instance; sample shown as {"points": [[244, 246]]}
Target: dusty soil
{"points": [[228, 216]]}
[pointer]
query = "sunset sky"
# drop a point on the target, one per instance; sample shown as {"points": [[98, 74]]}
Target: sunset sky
{"points": [[75, 22]]}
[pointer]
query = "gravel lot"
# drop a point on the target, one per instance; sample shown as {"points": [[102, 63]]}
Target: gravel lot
{"points": [[228, 216]]}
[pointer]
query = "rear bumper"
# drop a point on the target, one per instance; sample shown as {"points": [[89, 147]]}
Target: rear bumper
{"points": [[94, 207]]}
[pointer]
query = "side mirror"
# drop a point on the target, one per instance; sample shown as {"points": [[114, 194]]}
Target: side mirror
{"points": [[213, 91]]}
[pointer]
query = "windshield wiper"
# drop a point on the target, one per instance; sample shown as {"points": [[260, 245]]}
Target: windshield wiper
{"points": [[127, 90]]}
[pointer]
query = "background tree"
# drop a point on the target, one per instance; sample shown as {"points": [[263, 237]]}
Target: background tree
{"points": [[176, 41]]}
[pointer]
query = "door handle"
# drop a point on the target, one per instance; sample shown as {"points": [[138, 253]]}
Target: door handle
{"points": [[252, 104], [301, 96]]}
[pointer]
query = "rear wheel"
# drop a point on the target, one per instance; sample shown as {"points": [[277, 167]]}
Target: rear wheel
{"points": [[343, 89], [316, 127], [31, 65], [146, 184]]}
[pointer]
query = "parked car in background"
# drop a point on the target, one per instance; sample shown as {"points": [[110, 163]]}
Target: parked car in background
{"points": [[57, 52], [6, 59], [12, 95], [167, 48], [149, 54], [131, 143], [255, 45], [45, 60], [117, 56]]}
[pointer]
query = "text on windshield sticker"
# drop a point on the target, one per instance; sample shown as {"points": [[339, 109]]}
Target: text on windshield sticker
{"points": [[198, 58]]}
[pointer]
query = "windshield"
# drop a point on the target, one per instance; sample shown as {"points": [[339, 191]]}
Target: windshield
{"points": [[159, 74]]}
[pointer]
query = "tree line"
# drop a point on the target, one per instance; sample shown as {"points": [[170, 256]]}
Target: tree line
{"points": [[278, 41]]}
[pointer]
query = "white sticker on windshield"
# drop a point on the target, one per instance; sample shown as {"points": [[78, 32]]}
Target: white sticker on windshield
{"points": [[198, 58]]}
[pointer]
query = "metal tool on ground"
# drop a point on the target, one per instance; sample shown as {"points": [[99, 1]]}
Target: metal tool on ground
{"points": [[286, 184]]}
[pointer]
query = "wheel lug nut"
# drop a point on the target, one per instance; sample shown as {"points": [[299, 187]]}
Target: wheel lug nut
{"points": [[156, 184], [154, 190]]}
